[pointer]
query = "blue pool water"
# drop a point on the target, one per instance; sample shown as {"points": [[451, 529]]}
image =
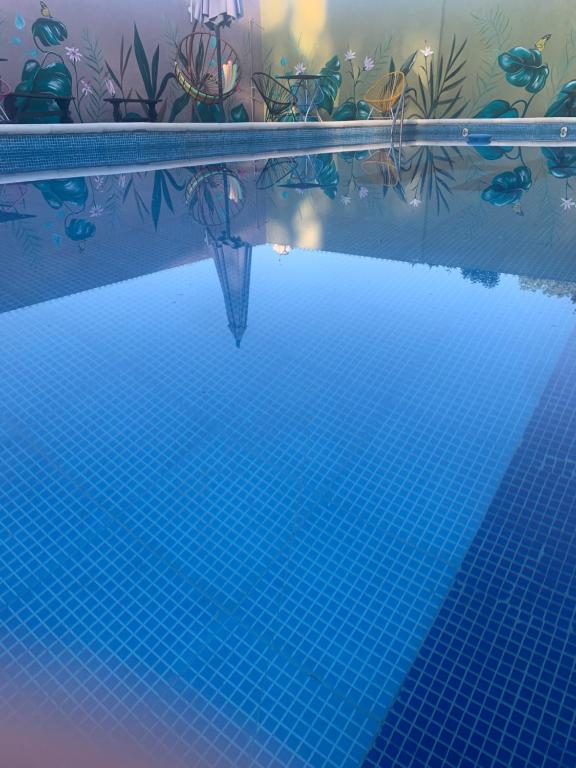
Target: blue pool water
{"points": [[302, 504]]}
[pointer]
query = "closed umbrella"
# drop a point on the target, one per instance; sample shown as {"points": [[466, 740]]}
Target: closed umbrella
{"points": [[215, 14]]}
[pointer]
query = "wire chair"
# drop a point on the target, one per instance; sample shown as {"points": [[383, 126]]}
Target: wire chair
{"points": [[386, 97], [5, 90], [279, 100], [215, 195], [276, 170], [196, 68], [385, 165]]}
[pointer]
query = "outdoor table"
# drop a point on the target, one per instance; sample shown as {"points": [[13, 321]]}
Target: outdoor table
{"points": [[149, 104], [307, 90]]}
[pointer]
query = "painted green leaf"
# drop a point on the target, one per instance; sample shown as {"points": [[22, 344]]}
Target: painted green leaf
{"points": [[561, 161], [564, 105], [239, 115], [156, 205], [143, 65], [524, 68], [327, 174], [409, 63], [496, 109], [507, 188], [54, 79], [49, 32], [10, 215], [177, 107], [60, 191], [351, 110], [330, 84], [80, 229], [210, 113]]}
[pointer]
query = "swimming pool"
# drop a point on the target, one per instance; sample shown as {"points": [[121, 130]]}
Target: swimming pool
{"points": [[288, 457]]}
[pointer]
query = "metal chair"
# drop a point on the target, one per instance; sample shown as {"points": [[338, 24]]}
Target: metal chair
{"points": [[385, 166], [279, 100], [386, 97], [5, 90]]}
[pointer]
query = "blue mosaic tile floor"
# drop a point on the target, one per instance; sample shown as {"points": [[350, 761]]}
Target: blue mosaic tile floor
{"points": [[272, 507]]}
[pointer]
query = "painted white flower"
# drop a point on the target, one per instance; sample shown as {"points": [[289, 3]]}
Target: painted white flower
{"points": [[73, 54], [98, 182], [300, 68], [369, 64], [96, 211], [363, 193], [350, 55], [426, 51], [346, 200], [86, 88], [415, 203], [110, 87], [567, 203]]}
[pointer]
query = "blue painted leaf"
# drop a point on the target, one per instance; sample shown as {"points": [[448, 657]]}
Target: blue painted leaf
{"points": [[564, 105], [60, 191], [239, 115], [330, 84], [561, 161], [143, 65], [177, 107], [507, 188], [524, 68], [80, 229], [55, 79], [210, 113], [409, 63], [327, 174], [497, 109], [49, 32], [19, 21]]}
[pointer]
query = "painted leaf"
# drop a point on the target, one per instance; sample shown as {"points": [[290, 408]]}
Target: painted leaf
{"points": [[564, 105], [180, 104], [561, 161], [11, 215], [19, 21], [239, 115], [143, 65], [60, 191], [80, 229], [330, 84], [327, 174], [210, 113], [55, 79], [496, 109], [507, 188], [409, 63], [524, 68], [49, 32], [360, 110]]}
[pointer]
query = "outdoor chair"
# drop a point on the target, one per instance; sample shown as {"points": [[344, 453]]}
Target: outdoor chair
{"points": [[279, 100], [386, 97]]}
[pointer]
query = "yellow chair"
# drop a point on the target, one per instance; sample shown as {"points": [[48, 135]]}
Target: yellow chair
{"points": [[383, 167], [386, 97]]}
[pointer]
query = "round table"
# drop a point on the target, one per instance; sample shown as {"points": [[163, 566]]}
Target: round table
{"points": [[307, 90]]}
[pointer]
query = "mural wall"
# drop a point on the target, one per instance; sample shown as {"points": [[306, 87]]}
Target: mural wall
{"points": [[510, 59], [85, 53]]}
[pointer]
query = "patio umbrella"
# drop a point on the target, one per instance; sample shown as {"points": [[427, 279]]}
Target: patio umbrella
{"points": [[215, 14], [233, 258]]}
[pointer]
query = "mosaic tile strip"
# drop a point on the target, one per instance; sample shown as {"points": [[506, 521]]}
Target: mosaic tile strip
{"points": [[494, 683]]}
